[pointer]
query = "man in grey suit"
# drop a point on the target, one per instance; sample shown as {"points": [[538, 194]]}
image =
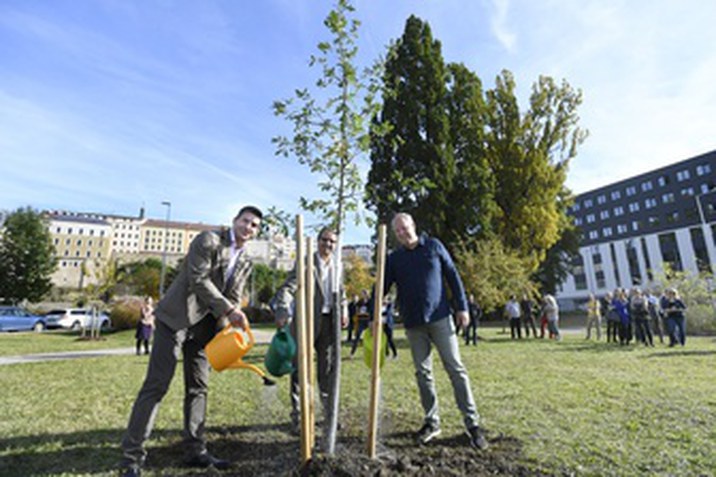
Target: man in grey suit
{"points": [[324, 331], [204, 297]]}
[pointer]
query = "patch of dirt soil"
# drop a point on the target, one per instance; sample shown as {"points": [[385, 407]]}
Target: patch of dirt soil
{"points": [[275, 452]]}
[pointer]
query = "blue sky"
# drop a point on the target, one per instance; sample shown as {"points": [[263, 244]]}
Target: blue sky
{"points": [[109, 105]]}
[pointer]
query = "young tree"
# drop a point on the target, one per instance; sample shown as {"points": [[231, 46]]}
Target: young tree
{"points": [[27, 257], [412, 164], [329, 136]]}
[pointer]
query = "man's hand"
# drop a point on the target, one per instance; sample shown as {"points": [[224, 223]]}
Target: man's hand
{"points": [[280, 318], [463, 319], [238, 319], [344, 322]]}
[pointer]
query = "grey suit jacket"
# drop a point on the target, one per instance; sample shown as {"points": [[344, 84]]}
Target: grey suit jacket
{"points": [[199, 289], [283, 301]]}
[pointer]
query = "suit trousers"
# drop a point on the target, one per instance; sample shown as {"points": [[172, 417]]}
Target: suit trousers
{"points": [[169, 346], [323, 344]]}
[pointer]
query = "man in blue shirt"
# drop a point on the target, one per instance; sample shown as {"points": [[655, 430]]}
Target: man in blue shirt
{"points": [[420, 268]]}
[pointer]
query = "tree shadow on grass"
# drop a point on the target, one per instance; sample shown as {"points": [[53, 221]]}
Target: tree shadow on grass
{"points": [[673, 353]]}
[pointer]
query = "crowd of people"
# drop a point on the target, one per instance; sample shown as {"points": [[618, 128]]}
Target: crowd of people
{"points": [[637, 315]]}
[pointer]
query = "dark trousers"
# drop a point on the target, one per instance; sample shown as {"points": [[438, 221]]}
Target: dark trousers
{"points": [[677, 331], [612, 330], [515, 328], [323, 344], [388, 332], [471, 332], [362, 325], [169, 346], [625, 332], [645, 336], [529, 321], [142, 342]]}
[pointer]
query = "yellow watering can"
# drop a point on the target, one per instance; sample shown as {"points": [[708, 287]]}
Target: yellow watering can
{"points": [[228, 347]]}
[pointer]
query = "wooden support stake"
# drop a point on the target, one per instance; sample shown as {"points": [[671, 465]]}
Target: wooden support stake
{"points": [[310, 338], [301, 338], [377, 344]]}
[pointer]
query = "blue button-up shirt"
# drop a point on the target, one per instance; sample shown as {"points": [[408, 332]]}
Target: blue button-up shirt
{"points": [[419, 274]]}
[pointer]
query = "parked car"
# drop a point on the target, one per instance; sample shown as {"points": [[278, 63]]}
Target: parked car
{"points": [[76, 318], [15, 318]]}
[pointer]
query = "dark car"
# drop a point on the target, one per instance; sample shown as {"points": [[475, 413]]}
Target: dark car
{"points": [[15, 318]]}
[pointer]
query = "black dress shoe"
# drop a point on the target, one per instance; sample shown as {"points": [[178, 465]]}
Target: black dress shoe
{"points": [[130, 471], [207, 460]]}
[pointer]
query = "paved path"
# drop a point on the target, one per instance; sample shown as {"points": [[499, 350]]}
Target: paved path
{"points": [[261, 336]]}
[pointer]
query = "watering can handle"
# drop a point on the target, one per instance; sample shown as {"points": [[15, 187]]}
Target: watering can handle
{"points": [[230, 329]]}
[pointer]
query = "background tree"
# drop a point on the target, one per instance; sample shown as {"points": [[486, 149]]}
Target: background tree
{"points": [[27, 257], [412, 165], [142, 277], [471, 198], [529, 155], [357, 276], [493, 272], [264, 283]]}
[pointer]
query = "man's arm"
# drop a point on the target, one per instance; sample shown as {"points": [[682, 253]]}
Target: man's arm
{"points": [[199, 269], [283, 300]]}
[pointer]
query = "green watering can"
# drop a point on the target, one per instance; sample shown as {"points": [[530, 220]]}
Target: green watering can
{"points": [[368, 349], [280, 354]]}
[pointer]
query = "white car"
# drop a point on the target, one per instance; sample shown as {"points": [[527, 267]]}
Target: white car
{"points": [[76, 318]]}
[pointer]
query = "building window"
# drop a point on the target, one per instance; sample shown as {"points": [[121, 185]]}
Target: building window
{"points": [[618, 211], [57, 241], [587, 203], [687, 191], [663, 180], [647, 261], [668, 198], [59, 230], [653, 220], [91, 231], [635, 225], [672, 217], [577, 221], [67, 241], [670, 251], [79, 242], [602, 199], [630, 191], [613, 254], [580, 278], [705, 188], [575, 207], [64, 264], [646, 186], [650, 203], [604, 214], [80, 231], [702, 255], [633, 262], [616, 195], [593, 235], [683, 175], [69, 230], [703, 169], [590, 218], [601, 281], [607, 231], [622, 229], [634, 207]]}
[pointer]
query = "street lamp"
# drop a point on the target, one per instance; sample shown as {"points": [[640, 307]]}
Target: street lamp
{"points": [[164, 252]]}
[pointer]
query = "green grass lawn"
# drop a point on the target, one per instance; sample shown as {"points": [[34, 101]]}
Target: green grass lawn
{"points": [[577, 407]]}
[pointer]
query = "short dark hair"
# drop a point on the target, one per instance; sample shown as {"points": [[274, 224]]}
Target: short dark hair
{"points": [[326, 229], [250, 208]]}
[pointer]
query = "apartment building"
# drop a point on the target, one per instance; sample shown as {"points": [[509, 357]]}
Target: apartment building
{"points": [[82, 246], [631, 228]]}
